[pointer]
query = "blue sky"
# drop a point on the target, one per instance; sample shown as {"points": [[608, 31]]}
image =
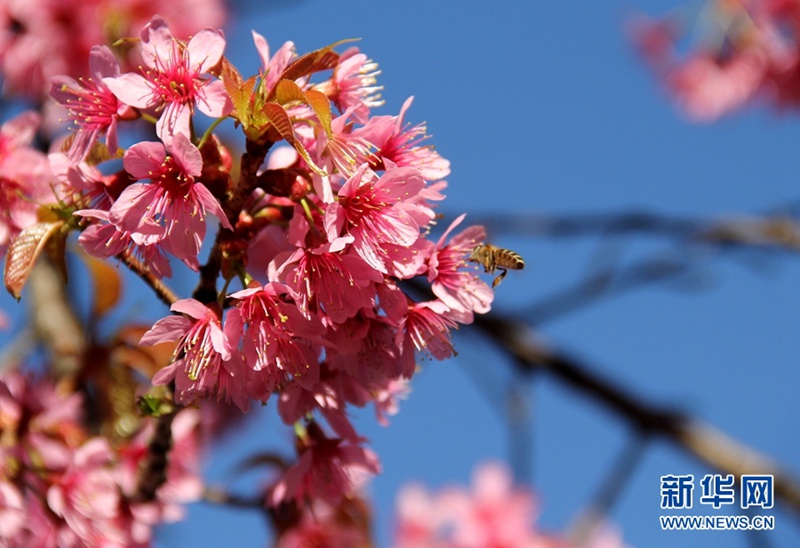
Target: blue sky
{"points": [[543, 108]]}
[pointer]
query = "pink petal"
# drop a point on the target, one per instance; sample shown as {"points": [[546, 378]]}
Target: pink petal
{"points": [[176, 118], [132, 89], [469, 235], [220, 342], [186, 154], [205, 50], [166, 374], [190, 307], [144, 158], [450, 228], [213, 100], [129, 211], [211, 205], [262, 47], [102, 63], [158, 44], [21, 129], [171, 328]]}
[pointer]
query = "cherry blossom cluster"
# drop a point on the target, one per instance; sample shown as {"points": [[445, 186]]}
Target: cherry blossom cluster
{"points": [[746, 50], [323, 226], [60, 486], [494, 512], [40, 39]]}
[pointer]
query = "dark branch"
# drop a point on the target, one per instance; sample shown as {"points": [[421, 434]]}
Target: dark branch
{"points": [[700, 440]]}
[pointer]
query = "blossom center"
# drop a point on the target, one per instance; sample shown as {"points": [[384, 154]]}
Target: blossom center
{"points": [[175, 82]]}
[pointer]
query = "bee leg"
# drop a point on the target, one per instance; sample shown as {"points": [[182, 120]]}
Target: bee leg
{"points": [[499, 279]]}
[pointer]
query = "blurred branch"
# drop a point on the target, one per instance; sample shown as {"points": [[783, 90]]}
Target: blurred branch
{"points": [[596, 513], [698, 439], [218, 495], [696, 242], [153, 469], [625, 222], [54, 319], [777, 227], [604, 284]]}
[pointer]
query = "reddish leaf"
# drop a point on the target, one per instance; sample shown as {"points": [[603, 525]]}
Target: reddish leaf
{"points": [[286, 91], [322, 59], [322, 107], [279, 119], [23, 251], [239, 90]]}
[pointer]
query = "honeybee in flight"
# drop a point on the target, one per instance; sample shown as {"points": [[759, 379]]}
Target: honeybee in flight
{"points": [[496, 258]]}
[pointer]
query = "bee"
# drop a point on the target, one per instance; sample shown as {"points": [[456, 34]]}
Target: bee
{"points": [[496, 258]]}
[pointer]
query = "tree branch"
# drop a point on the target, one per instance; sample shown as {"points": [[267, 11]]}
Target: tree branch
{"points": [[702, 441], [164, 293]]}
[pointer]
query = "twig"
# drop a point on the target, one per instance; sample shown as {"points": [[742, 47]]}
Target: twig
{"points": [[700, 440], [163, 292]]}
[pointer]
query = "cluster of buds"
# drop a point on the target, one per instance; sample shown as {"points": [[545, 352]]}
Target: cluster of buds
{"points": [[323, 224], [747, 49]]}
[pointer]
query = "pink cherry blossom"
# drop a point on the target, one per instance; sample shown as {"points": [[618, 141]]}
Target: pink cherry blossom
{"points": [[40, 39], [91, 104], [103, 240], [24, 176], [366, 347], [344, 148], [278, 340], [494, 513], [452, 279], [324, 470], [706, 90], [24, 186], [427, 326], [173, 81], [272, 67], [323, 525], [353, 85], [401, 144], [205, 361], [86, 496], [172, 207], [19, 132], [337, 284], [376, 211]]}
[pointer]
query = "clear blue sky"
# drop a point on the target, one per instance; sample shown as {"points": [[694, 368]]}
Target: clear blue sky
{"points": [[544, 108]]}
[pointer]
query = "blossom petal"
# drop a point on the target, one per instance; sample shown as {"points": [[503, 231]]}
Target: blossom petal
{"points": [[190, 307], [132, 89], [142, 159], [205, 50], [102, 63], [186, 154], [171, 328], [213, 100]]}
